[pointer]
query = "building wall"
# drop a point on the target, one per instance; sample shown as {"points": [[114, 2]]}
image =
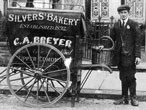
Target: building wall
{"points": [[1, 6], [114, 4]]}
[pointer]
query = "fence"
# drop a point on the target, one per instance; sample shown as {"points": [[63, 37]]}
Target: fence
{"points": [[100, 29]]}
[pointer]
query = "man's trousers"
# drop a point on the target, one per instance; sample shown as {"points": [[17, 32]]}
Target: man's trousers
{"points": [[128, 80]]}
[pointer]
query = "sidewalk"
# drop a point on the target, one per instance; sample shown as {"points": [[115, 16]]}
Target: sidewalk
{"points": [[105, 85], [102, 84], [142, 65]]}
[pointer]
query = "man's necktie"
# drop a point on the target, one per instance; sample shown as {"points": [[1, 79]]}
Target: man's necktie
{"points": [[123, 24]]}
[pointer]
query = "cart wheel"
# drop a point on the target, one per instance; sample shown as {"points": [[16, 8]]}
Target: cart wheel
{"points": [[37, 75]]}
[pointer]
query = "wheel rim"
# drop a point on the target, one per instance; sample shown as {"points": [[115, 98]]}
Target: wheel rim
{"points": [[43, 80]]}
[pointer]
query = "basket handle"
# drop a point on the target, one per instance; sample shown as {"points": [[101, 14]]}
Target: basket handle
{"points": [[113, 44]]}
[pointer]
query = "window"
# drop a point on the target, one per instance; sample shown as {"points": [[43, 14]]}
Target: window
{"points": [[74, 4], [77, 5], [137, 13], [99, 8], [31, 3], [17, 3], [137, 8]]}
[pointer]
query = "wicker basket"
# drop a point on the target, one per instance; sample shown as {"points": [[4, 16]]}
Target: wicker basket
{"points": [[104, 55]]}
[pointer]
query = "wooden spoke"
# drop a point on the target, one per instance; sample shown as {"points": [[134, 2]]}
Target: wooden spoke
{"points": [[38, 56], [19, 78], [30, 58], [56, 71], [46, 57], [24, 62], [52, 64], [31, 87], [61, 84], [54, 79], [24, 86], [45, 91]]}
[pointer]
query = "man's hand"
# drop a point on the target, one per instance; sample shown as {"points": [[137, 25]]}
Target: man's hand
{"points": [[137, 60], [100, 47]]}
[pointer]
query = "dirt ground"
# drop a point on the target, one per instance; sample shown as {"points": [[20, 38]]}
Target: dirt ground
{"points": [[9, 102]]}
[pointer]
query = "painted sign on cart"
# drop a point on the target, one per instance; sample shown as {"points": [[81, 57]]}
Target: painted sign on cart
{"points": [[55, 28]]}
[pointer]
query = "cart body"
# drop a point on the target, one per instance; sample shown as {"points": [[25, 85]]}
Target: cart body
{"points": [[46, 48]]}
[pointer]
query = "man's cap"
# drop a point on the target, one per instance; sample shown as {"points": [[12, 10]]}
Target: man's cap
{"points": [[123, 7]]}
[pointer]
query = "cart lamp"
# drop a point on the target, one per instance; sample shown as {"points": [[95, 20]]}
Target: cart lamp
{"points": [[68, 62]]}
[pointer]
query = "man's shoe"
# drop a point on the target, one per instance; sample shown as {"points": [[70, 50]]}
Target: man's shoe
{"points": [[122, 101], [134, 102]]}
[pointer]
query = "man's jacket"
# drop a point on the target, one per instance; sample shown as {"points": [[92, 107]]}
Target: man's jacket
{"points": [[127, 43]]}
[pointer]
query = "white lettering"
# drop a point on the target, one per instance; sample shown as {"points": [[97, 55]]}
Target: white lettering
{"points": [[70, 22], [16, 41], [24, 18], [65, 21], [49, 40], [43, 40], [19, 20], [61, 42], [55, 19], [26, 40], [34, 16], [68, 43], [36, 39], [60, 20], [11, 17], [41, 17], [50, 17], [29, 17], [55, 40], [76, 21]]}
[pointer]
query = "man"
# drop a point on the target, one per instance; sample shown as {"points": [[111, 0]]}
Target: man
{"points": [[125, 33]]}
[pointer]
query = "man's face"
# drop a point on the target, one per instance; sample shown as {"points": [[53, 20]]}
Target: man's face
{"points": [[124, 14]]}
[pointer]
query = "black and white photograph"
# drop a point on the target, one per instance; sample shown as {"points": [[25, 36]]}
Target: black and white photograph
{"points": [[72, 54]]}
